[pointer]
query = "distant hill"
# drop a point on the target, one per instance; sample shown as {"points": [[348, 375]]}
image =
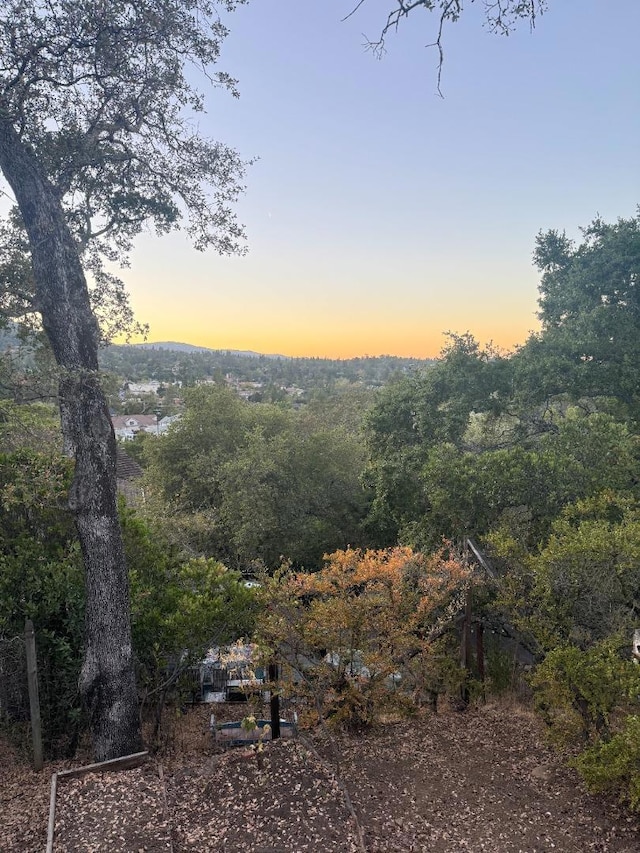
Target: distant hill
{"points": [[178, 347]]}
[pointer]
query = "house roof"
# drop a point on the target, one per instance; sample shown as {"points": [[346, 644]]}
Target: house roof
{"points": [[142, 421], [126, 467]]}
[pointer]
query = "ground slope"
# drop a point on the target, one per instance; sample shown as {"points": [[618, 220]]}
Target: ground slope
{"points": [[481, 781]]}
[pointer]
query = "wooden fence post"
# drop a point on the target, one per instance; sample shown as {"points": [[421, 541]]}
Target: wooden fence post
{"points": [[34, 699], [466, 645], [480, 656], [465, 639]]}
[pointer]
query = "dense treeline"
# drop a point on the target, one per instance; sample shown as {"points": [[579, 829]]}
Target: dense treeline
{"points": [[255, 484], [169, 365], [538, 455], [535, 454]]}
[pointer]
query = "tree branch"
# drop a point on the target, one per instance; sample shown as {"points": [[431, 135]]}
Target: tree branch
{"points": [[501, 16]]}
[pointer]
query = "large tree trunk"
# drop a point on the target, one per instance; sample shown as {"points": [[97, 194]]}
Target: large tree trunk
{"points": [[107, 680]]}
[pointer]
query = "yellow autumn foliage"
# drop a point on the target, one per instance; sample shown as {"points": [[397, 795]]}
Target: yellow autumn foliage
{"points": [[359, 634]]}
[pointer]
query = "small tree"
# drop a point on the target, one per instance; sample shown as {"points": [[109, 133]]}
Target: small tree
{"points": [[178, 609], [348, 633]]}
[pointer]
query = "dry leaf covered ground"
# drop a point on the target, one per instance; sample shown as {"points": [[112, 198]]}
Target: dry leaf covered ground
{"points": [[479, 781]]}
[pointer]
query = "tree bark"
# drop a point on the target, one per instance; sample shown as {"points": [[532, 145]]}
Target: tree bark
{"points": [[107, 680]]}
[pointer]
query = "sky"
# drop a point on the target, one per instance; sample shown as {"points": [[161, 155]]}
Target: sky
{"points": [[380, 215]]}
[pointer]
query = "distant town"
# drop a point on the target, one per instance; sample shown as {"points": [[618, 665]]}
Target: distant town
{"points": [[148, 380]]}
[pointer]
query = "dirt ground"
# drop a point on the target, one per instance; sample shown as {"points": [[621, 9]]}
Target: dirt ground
{"points": [[479, 781]]}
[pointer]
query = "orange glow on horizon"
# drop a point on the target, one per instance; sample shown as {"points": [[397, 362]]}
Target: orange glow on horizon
{"points": [[345, 344]]}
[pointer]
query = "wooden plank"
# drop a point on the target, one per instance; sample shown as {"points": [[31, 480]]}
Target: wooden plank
{"points": [[165, 808], [126, 762], [34, 699], [482, 559], [52, 813]]}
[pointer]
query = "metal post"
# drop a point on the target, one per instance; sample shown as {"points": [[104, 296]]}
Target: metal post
{"points": [[275, 701], [34, 700]]}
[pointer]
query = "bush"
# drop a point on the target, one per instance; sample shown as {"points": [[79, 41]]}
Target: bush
{"points": [[576, 691], [175, 605], [614, 766], [350, 633]]}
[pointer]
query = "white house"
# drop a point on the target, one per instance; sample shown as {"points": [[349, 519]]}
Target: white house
{"points": [[143, 387], [126, 427]]}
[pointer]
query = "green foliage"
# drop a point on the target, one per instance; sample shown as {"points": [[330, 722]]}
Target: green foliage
{"points": [[296, 495], [590, 698], [613, 766], [178, 609], [319, 377], [581, 585], [589, 575], [589, 306], [479, 433], [416, 414], [499, 668], [577, 597], [250, 483], [597, 276], [468, 492], [33, 425], [41, 579], [577, 691], [434, 406]]}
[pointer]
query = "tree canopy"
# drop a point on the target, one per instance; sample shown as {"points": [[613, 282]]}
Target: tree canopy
{"points": [[590, 310], [97, 142], [100, 95], [255, 483]]}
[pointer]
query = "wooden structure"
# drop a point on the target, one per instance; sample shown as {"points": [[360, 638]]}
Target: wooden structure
{"points": [[34, 699], [232, 734], [124, 763], [475, 629]]}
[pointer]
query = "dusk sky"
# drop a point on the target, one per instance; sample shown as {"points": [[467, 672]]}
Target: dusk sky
{"points": [[380, 215]]}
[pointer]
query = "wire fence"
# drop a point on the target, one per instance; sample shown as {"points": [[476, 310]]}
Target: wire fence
{"points": [[14, 689]]}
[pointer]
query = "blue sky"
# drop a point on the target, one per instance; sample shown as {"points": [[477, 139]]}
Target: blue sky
{"points": [[380, 215]]}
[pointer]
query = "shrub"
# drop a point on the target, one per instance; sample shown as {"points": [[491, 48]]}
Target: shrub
{"points": [[614, 766], [577, 691], [349, 634]]}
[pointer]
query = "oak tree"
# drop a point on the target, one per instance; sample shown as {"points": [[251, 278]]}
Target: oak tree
{"points": [[95, 143], [256, 482], [589, 308]]}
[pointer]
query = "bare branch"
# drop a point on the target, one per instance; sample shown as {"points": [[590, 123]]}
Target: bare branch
{"points": [[501, 17], [353, 11]]}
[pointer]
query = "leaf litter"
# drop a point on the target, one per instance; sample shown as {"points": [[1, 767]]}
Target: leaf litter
{"points": [[481, 781]]}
